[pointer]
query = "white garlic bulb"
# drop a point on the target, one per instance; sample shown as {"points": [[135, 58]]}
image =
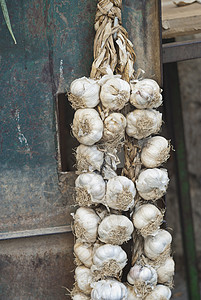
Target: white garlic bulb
{"points": [[158, 245], [108, 261], [89, 158], [142, 275], [155, 152], [120, 193], [152, 183], [80, 296], [114, 127], [83, 278], [147, 219], [115, 93], [87, 126], [90, 189], [161, 292], [115, 229], [84, 93], [131, 293], [166, 271], [145, 93], [142, 123], [86, 224], [108, 290], [84, 253]]}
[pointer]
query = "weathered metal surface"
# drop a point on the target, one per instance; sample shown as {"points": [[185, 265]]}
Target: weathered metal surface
{"points": [[179, 51], [142, 21], [174, 112], [36, 268]]}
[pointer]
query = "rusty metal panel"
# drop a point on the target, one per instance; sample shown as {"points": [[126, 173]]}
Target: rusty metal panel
{"points": [[36, 268]]}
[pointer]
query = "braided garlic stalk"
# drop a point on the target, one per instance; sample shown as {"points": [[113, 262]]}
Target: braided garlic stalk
{"points": [[102, 126]]}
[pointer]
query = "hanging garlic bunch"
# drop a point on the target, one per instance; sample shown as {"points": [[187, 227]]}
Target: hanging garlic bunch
{"points": [[145, 93], [90, 189], [89, 158], [84, 93], [108, 289], [108, 261]]}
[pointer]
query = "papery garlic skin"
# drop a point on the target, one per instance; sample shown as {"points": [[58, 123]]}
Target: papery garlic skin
{"points": [[166, 271], [142, 274], [87, 126], [155, 152], [147, 219], [157, 244], [90, 189], [115, 93], [115, 229], [161, 292], [152, 184], [108, 290], [83, 278], [108, 261], [89, 158], [114, 127], [86, 225], [120, 193], [84, 253], [142, 123], [145, 93], [80, 296], [84, 93], [131, 293]]}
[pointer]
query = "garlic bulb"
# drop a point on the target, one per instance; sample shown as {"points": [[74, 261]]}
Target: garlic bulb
{"points": [[86, 224], [108, 261], [152, 183], [115, 93], [155, 152], [161, 292], [131, 293], [90, 189], [84, 93], [120, 193], [158, 245], [115, 229], [146, 93], [114, 127], [83, 278], [142, 123], [147, 219], [84, 253], [87, 126], [108, 290], [89, 158], [80, 296], [142, 275], [166, 271]]}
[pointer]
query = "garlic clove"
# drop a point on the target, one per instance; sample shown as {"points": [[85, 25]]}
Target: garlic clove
{"points": [[115, 93], [161, 292], [86, 225], [115, 229], [84, 93], [120, 193], [89, 158], [83, 279], [147, 219], [155, 152], [108, 289], [142, 123], [157, 245], [108, 261], [87, 126], [166, 271], [90, 189], [145, 93], [84, 253], [114, 127], [152, 183]]}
